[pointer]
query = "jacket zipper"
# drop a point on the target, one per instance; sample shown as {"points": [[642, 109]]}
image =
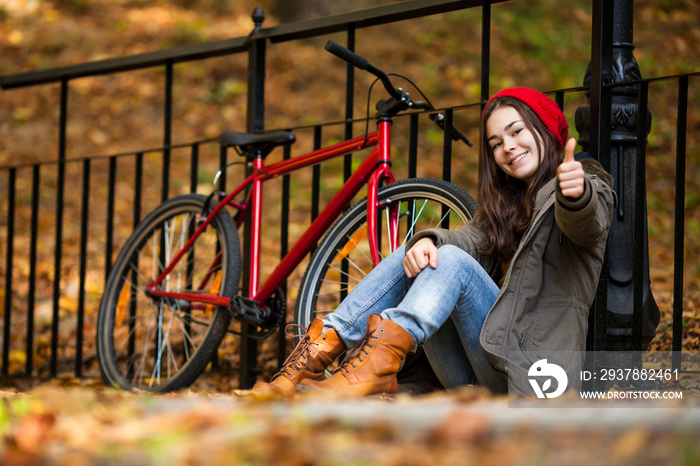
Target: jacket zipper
{"points": [[528, 233]]}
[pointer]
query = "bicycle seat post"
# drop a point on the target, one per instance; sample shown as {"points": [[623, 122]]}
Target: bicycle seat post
{"points": [[255, 225]]}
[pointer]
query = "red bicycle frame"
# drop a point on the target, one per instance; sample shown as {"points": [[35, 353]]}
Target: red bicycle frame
{"points": [[373, 171]]}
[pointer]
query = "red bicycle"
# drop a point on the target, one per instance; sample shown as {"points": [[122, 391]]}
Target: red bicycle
{"points": [[174, 288]]}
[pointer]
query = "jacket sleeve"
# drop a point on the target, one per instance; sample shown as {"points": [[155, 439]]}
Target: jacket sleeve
{"points": [[587, 219], [466, 238]]}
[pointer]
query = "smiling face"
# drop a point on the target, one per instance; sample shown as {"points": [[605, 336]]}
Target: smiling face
{"points": [[514, 147]]}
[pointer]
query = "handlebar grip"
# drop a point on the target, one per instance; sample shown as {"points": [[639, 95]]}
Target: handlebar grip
{"points": [[347, 55], [362, 63]]}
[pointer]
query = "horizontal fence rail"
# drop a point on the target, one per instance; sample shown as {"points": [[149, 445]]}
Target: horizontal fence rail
{"points": [[48, 334], [293, 31]]}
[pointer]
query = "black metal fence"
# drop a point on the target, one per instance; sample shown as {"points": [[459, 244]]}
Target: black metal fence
{"points": [[67, 351]]}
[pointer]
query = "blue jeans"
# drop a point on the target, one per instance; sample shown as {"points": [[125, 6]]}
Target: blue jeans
{"points": [[443, 309]]}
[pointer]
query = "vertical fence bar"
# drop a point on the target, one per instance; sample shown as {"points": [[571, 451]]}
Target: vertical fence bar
{"points": [[194, 167], [136, 218], [194, 173], [60, 188], [559, 99], [679, 232], [485, 50], [600, 131], [412, 156], [316, 178], [284, 249], [138, 186], [223, 156], [447, 161], [109, 237], [316, 181], [84, 218], [447, 146], [255, 124], [347, 160], [413, 146], [31, 295], [639, 220], [349, 102], [11, 188], [167, 129]]}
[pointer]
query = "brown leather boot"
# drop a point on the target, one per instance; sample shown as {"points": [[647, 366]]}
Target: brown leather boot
{"points": [[372, 365], [309, 360]]}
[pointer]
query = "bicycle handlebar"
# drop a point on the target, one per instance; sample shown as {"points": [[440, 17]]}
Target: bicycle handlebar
{"points": [[347, 55], [360, 62]]}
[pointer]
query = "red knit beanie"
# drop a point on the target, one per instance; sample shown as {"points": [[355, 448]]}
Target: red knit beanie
{"points": [[544, 107]]}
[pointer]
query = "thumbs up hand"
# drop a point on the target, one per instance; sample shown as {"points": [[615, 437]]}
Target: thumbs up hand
{"points": [[570, 173]]}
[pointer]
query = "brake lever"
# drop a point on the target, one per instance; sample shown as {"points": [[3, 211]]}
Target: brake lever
{"points": [[420, 105], [439, 120]]}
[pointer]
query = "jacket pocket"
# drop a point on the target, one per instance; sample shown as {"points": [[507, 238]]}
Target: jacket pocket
{"points": [[557, 324], [533, 351], [555, 329]]}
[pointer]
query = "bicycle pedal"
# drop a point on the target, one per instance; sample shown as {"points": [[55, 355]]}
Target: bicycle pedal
{"points": [[247, 310]]}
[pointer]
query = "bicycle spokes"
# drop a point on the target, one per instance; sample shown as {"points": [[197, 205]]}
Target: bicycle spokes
{"points": [[156, 331]]}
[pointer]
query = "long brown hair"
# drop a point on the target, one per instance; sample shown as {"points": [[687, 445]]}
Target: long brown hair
{"points": [[506, 204]]}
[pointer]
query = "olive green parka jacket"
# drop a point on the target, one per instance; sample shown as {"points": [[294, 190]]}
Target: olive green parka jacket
{"points": [[542, 309]]}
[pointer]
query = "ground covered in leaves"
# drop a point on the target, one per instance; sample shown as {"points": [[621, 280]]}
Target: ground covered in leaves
{"points": [[81, 423]]}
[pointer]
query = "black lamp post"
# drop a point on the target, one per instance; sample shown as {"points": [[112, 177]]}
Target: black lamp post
{"points": [[627, 327]]}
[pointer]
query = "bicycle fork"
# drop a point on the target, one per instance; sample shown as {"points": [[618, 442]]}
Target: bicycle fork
{"points": [[381, 174]]}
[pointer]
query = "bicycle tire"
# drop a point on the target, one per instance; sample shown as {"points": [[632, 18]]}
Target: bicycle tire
{"points": [[162, 345], [323, 286]]}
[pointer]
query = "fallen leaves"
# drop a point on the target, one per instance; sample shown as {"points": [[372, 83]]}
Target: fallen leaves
{"points": [[33, 431], [88, 425]]}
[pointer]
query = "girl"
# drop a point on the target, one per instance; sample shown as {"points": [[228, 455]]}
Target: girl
{"points": [[513, 286]]}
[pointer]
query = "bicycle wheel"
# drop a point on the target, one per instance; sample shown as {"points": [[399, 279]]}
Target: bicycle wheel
{"points": [[343, 257], [163, 344]]}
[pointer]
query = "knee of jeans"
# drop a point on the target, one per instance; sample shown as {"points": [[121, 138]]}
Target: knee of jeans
{"points": [[449, 254], [397, 256]]}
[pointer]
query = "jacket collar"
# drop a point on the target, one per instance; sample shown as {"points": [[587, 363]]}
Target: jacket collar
{"points": [[545, 192]]}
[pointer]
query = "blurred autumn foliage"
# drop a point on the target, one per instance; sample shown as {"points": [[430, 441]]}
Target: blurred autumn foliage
{"points": [[73, 425], [535, 44]]}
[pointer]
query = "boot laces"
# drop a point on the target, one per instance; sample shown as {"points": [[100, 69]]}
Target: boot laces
{"points": [[302, 351], [356, 353]]}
